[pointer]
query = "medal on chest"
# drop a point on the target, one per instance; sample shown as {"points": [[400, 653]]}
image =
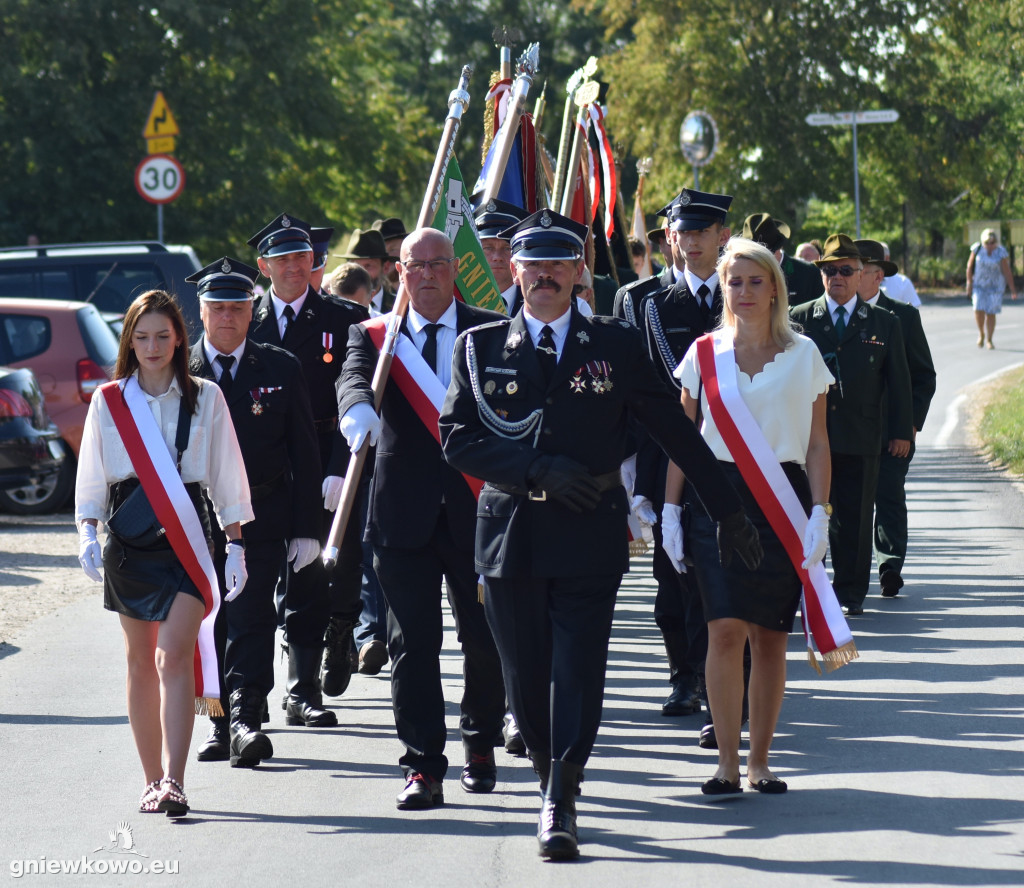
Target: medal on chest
{"points": [[328, 343], [257, 398]]}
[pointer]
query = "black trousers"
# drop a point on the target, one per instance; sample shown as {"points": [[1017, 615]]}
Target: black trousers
{"points": [[552, 635], [891, 511], [679, 614], [411, 581], [854, 480]]}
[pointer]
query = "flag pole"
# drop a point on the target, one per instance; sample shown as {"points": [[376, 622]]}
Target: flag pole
{"points": [[458, 100], [526, 68]]}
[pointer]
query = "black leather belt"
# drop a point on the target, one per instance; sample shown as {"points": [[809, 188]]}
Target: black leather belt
{"points": [[260, 491], [325, 425], [607, 481]]}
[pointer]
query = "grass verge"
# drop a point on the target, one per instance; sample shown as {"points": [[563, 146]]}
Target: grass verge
{"points": [[1002, 423]]}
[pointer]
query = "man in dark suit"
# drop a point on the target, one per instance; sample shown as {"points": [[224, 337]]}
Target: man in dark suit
{"points": [[420, 521], [671, 317], [538, 407], [863, 348], [321, 609], [269, 406], [803, 281], [891, 495]]}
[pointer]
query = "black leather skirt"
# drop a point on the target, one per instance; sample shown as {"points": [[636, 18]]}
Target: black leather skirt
{"points": [[768, 596], [142, 583]]}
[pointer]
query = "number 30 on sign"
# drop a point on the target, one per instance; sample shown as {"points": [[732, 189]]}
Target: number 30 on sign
{"points": [[159, 179]]}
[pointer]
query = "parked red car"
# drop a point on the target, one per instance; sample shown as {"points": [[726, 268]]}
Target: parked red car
{"points": [[72, 351]]}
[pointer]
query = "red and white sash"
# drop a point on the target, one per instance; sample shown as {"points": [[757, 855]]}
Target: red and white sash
{"points": [[173, 507], [774, 493], [417, 382]]}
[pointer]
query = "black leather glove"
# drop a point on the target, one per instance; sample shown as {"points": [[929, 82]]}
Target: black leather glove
{"points": [[737, 535], [566, 481]]}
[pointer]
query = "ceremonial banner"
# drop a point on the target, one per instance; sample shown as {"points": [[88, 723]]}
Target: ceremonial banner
{"points": [[519, 178], [640, 233], [475, 283]]}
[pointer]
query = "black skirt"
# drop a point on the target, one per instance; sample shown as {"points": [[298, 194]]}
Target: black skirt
{"points": [[768, 596], [143, 583]]}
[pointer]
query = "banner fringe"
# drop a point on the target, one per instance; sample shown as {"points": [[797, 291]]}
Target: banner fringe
{"points": [[840, 656], [637, 547], [209, 706], [813, 660]]}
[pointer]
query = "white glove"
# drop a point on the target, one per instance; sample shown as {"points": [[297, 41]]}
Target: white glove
{"points": [[643, 509], [235, 573], [629, 474], [302, 552], [331, 491], [359, 423], [672, 535], [90, 556], [815, 537]]}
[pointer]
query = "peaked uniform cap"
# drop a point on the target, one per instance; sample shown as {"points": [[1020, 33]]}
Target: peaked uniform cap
{"points": [[546, 235], [226, 280], [285, 234], [320, 238], [497, 216], [696, 210]]}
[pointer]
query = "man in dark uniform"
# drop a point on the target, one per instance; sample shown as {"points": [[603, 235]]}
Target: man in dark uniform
{"points": [[314, 328], [671, 317], [539, 407], [803, 280], [891, 494], [863, 348], [420, 521], [269, 406]]}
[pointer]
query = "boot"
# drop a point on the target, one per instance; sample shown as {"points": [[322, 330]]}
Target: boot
{"points": [[215, 747], [542, 768], [305, 705], [338, 655], [556, 827], [249, 745], [684, 699]]}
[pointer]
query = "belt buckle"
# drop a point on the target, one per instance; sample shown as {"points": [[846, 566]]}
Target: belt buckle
{"points": [[541, 497]]}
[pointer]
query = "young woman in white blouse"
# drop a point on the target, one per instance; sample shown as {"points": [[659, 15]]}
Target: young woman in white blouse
{"points": [[161, 607], [782, 380]]}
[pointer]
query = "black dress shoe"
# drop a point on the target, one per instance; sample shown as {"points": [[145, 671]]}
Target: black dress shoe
{"points": [[215, 747], [514, 742], [684, 700], [420, 792], [372, 657], [310, 714], [891, 583], [852, 610], [480, 773], [707, 739]]}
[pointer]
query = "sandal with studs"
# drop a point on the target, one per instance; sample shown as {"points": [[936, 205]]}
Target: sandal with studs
{"points": [[172, 801], [150, 798]]}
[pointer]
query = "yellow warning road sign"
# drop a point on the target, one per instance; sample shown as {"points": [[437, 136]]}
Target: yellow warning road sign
{"points": [[163, 145], [161, 122]]}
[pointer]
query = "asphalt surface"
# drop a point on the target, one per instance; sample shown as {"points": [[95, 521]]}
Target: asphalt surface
{"points": [[905, 767]]}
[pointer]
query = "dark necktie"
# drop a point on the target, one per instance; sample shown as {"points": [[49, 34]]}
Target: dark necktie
{"points": [[546, 353], [840, 321], [289, 316], [705, 309], [430, 346], [226, 363]]}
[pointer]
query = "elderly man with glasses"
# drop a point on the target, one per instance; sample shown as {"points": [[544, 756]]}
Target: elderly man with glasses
{"points": [[863, 348]]}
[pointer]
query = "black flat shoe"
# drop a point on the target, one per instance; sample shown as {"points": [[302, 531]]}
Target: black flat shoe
{"points": [[769, 786], [720, 786]]}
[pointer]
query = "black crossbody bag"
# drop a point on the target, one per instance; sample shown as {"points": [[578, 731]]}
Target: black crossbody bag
{"points": [[134, 522]]}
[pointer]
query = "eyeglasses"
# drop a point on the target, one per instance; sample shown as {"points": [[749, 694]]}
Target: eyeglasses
{"points": [[830, 271], [436, 266]]}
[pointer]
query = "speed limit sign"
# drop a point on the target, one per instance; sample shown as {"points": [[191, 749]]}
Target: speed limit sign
{"points": [[160, 179]]}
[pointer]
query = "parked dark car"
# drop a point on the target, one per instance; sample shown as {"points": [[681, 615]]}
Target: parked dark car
{"points": [[72, 351], [107, 275], [30, 447]]}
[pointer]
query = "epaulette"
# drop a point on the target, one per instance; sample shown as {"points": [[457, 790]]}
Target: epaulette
{"points": [[609, 321]]}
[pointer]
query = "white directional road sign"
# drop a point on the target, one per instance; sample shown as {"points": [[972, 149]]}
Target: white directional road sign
{"points": [[846, 118], [160, 178]]}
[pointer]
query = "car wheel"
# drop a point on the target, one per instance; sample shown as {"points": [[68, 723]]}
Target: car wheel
{"points": [[44, 497]]}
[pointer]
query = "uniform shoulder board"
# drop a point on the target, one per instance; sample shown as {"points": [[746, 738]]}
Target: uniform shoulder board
{"points": [[611, 321], [491, 325], [643, 286]]}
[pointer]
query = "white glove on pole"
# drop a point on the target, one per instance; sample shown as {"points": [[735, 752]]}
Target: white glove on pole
{"points": [[815, 537], [235, 573], [643, 509], [672, 535], [359, 423], [90, 556], [331, 491], [629, 474], [302, 552]]}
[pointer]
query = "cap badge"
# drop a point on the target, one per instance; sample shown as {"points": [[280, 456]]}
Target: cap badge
{"points": [[684, 199], [226, 267], [545, 219]]}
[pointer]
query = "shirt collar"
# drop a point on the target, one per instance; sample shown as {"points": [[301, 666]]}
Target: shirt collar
{"points": [[173, 387], [279, 304], [559, 326], [694, 283], [211, 353], [449, 319]]}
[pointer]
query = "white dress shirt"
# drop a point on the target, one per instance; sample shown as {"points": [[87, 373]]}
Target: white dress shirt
{"points": [[279, 306], [446, 337]]}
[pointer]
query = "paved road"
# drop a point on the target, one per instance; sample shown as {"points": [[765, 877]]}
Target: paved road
{"points": [[905, 767]]}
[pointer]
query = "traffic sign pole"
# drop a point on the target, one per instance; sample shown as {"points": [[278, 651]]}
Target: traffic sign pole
{"points": [[160, 178], [852, 118]]}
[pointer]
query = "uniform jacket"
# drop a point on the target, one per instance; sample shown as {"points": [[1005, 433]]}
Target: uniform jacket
{"points": [[319, 316], [603, 377], [275, 432], [803, 280], [630, 298], [919, 356], [869, 360], [410, 475]]}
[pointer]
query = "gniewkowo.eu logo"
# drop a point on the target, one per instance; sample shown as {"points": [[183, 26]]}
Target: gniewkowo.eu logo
{"points": [[128, 859]]}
